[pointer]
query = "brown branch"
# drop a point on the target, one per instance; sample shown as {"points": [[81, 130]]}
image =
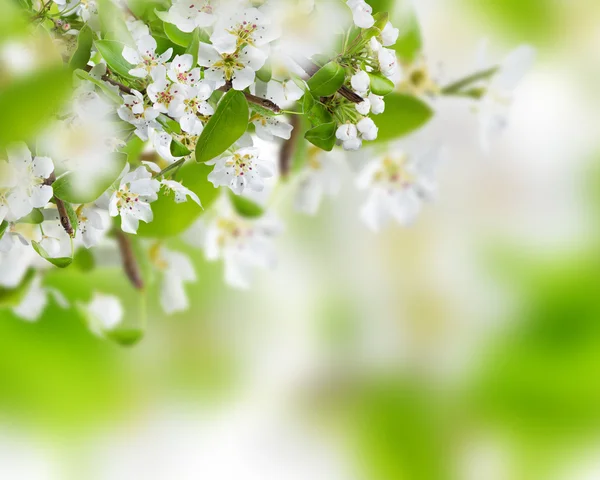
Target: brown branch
{"points": [[261, 102], [130, 264], [65, 221], [286, 156]]}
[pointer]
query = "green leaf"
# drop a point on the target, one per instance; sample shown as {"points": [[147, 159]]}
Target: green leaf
{"points": [[103, 86], [323, 136], [34, 218], [61, 262], [178, 149], [112, 52], [12, 297], [381, 5], [327, 80], [403, 115], [381, 85], [3, 227], [29, 102], [245, 207], [81, 57], [224, 128], [193, 47], [66, 187], [163, 43], [177, 36], [170, 218]]}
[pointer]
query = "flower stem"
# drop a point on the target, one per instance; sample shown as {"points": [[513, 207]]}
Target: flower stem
{"points": [[130, 264]]}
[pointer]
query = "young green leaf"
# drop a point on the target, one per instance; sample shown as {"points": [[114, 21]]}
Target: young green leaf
{"points": [[61, 262], [192, 48], [322, 136], [327, 80], [82, 54], [177, 36], [112, 52], [245, 207], [68, 189], [178, 149], [224, 128], [403, 115], [381, 85]]}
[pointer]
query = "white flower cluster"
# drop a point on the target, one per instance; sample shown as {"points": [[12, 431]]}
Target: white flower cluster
{"points": [[373, 57], [148, 96]]}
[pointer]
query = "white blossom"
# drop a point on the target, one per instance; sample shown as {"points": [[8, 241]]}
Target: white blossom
{"points": [[91, 226], [239, 67], [181, 193], [267, 128], [24, 188], [182, 70], [240, 170], [145, 59], [348, 135], [362, 13], [133, 197], [187, 15], [166, 96], [249, 27], [136, 112]]}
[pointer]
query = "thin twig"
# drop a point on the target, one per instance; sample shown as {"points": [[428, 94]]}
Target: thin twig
{"points": [[65, 221], [261, 102], [130, 264]]}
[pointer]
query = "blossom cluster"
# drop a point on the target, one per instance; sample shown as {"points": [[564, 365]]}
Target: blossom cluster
{"points": [[214, 103]]}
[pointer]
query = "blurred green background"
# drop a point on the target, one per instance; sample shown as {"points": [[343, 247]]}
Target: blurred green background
{"points": [[466, 347]]}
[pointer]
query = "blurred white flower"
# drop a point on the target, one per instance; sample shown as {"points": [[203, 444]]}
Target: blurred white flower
{"points": [[321, 176], [243, 244], [177, 270], [90, 225], [494, 106], [105, 313], [398, 184], [34, 302], [181, 193]]}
